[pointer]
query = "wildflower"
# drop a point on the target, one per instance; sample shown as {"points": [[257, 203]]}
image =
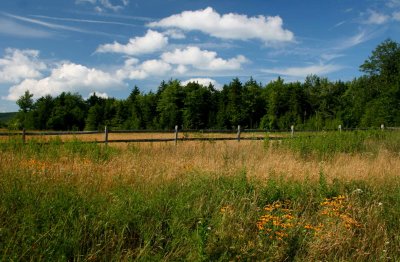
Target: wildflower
{"points": [[288, 216], [268, 208], [307, 226], [226, 209]]}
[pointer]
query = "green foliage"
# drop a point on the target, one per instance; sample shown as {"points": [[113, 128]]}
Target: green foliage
{"points": [[6, 118], [384, 61], [25, 102], [170, 104], [197, 106]]}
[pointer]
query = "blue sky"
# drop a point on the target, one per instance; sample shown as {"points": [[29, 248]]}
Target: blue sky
{"points": [[108, 46]]}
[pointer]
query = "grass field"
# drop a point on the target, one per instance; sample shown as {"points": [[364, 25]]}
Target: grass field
{"points": [[334, 196]]}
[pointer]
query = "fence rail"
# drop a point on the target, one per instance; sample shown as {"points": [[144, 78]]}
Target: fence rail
{"points": [[176, 138]]}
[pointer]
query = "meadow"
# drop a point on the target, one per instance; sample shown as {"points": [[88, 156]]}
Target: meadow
{"points": [[330, 196]]}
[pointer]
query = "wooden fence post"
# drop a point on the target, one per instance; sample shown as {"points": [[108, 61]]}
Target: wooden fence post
{"points": [[238, 133], [23, 135], [340, 128], [105, 135], [176, 134], [292, 130]]}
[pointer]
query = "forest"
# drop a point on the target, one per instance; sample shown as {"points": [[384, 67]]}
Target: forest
{"points": [[315, 104]]}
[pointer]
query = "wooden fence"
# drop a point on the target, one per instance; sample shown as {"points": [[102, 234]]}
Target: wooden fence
{"points": [[281, 134]]}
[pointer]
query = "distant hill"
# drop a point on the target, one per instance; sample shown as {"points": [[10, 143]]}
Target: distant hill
{"points": [[5, 117]]}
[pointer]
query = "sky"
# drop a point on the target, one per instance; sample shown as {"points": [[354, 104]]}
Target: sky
{"points": [[109, 46]]}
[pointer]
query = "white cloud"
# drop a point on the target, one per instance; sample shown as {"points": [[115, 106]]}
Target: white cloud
{"points": [[9, 27], [133, 70], [174, 34], [229, 26], [304, 71], [203, 82], [393, 3], [153, 41], [98, 9], [396, 16], [202, 59], [20, 64], [329, 56], [83, 20], [98, 94], [130, 70], [54, 26], [108, 5], [375, 18], [105, 4], [181, 69], [85, 1], [339, 24], [68, 77], [357, 39], [155, 67]]}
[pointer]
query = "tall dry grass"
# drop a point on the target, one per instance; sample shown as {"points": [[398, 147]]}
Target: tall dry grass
{"points": [[196, 201]]}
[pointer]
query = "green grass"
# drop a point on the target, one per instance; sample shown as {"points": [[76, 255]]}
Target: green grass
{"points": [[57, 215], [324, 145], [180, 220]]}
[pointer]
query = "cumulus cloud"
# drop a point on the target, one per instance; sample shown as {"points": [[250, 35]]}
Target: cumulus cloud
{"points": [[67, 77], [229, 26], [151, 42], [20, 64], [132, 69], [304, 71], [181, 69], [155, 67], [203, 82], [202, 59]]}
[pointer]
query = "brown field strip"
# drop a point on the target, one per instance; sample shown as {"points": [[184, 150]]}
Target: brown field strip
{"points": [[127, 136]]}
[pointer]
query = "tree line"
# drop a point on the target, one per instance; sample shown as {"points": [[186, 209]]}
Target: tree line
{"points": [[317, 103]]}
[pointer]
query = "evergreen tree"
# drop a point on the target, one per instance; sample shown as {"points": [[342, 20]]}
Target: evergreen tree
{"points": [[169, 106]]}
